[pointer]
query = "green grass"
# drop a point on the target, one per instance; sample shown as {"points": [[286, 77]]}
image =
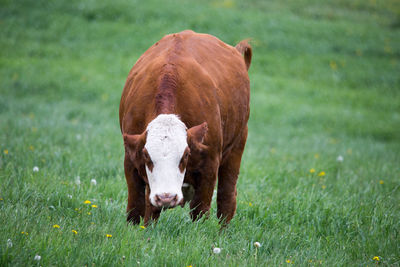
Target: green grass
{"points": [[325, 82]]}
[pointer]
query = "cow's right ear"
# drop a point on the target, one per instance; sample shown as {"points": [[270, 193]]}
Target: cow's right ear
{"points": [[134, 143]]}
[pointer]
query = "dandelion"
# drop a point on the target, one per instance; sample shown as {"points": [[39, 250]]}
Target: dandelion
{"points": [[143, 227], [5, 151], [56, 226], [321, 173], [87, 202], [35, 169], [333, 65], [78, 180], [257, 244], [94, 206], [381, 182], [312, 170], [37, 257], [339, 158], [75, 232], [323, 186], [89, 213], [108, 235], [288, 261], [93, 182], [376, 258], [9, 243], [217, 250], [250, 204], [24, 233]]}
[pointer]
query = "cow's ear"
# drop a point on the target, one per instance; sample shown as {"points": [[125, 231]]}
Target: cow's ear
{"points": [[196, 135], [134, 143]]}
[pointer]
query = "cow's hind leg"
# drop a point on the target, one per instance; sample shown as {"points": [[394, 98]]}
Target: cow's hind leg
{"points": [[227, 177], [136, 193]]}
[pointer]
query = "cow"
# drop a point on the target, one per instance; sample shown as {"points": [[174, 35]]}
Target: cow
{"points": [[183, 116]]}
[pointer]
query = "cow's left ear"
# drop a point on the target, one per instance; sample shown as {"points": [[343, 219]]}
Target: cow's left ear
{"points": [[196, 135], [134, 143]]}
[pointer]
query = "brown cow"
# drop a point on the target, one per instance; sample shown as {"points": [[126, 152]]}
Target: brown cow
{"points": [[183, 115]]}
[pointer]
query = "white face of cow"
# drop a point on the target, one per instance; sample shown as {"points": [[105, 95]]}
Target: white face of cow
{"points": [[166, 146]]}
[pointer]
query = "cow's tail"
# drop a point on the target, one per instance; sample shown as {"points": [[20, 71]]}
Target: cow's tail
{"points": [[245, 49]]}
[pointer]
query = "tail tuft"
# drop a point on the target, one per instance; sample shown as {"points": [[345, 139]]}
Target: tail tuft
{"points": [[245, 49]]}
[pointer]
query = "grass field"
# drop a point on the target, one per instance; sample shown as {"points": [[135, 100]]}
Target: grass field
{"points": [[325, 83]]}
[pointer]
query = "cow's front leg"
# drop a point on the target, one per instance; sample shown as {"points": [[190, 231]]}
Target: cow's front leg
{"points": [[204, 188], [152, 213], [136, 193], [228, 174]]}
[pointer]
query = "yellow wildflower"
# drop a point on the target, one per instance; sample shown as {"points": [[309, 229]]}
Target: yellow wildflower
{"points": [[87, 202], [376, 258], [323, 186], [94, 206], [31, 148], [75, 232], [89, 213], [312, 170], [108, 235], [316, 156], [24, 233], [381, 182], [333, 65], [1, 198], [5, 151], [56, 226], [250, 204], [143, 227], [288, 261], [321, 173]]}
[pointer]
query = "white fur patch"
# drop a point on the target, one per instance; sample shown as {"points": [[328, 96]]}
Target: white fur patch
{"points": [[166, 142]]}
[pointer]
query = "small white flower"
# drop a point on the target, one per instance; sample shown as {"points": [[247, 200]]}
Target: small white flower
{"points": [[93, 182], [78, 137], [339, 158], [69, 196], [78, 180], [9, 243], [37, 257], [35, 169], [257, 244], [217, 250]]}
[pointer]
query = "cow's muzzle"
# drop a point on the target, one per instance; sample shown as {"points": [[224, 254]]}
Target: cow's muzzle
{"points": [[166, 200]]}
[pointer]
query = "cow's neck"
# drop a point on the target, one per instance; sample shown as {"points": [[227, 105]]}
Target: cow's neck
{"points": [[166, 95]]}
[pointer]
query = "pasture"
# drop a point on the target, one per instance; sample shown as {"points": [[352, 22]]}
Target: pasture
{"points": [[319, 182]]}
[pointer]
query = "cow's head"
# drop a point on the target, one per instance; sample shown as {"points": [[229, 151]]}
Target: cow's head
{"points": [[163, 151]]}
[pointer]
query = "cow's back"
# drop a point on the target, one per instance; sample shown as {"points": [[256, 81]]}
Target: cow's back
{"points": [[212, 85]]}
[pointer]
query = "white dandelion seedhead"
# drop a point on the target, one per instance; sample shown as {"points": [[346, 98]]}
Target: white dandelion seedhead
{"points": [[78, 180], [217, 250], [37, 257], [93, 182], [35, 169], [339, 158], [257, 244], [9, 243]]}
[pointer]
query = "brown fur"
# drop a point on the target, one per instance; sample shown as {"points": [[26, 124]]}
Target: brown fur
{"points": [[205, 82]]}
